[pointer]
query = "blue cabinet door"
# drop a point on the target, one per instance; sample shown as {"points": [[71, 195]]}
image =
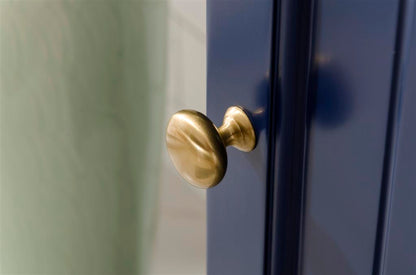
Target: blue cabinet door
{"points": [[331, 186], [239, 56]]}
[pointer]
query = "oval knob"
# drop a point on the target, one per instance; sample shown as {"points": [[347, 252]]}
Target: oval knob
{"points": [[197, 147]]}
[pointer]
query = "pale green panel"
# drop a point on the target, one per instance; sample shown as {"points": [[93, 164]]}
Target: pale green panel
{"points": [[82, 100]]}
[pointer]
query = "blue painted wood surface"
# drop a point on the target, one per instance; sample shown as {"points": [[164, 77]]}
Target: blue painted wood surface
{"points": [[353, 67], [399, 242], [341, 171], [239, 56]]}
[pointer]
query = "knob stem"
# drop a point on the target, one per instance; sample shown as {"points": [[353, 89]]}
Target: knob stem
{"points": [[237, 130]]}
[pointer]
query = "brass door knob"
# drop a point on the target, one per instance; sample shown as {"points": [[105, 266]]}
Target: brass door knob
{"points": [[197, 147]]}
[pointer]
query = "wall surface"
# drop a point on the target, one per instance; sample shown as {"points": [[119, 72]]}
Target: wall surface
{"points": [[81, 109], [180, 246]]}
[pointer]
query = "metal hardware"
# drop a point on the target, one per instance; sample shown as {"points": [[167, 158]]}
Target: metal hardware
{"points": [[197, 147]]}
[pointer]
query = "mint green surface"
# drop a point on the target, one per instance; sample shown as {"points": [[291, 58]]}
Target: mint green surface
{"points": [[81, 108]]}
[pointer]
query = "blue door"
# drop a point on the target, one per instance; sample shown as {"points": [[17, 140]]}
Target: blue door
{"points": [[331, 88]]}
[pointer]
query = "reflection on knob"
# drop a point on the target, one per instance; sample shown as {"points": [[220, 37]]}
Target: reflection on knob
{"points": [[197, 147]]}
